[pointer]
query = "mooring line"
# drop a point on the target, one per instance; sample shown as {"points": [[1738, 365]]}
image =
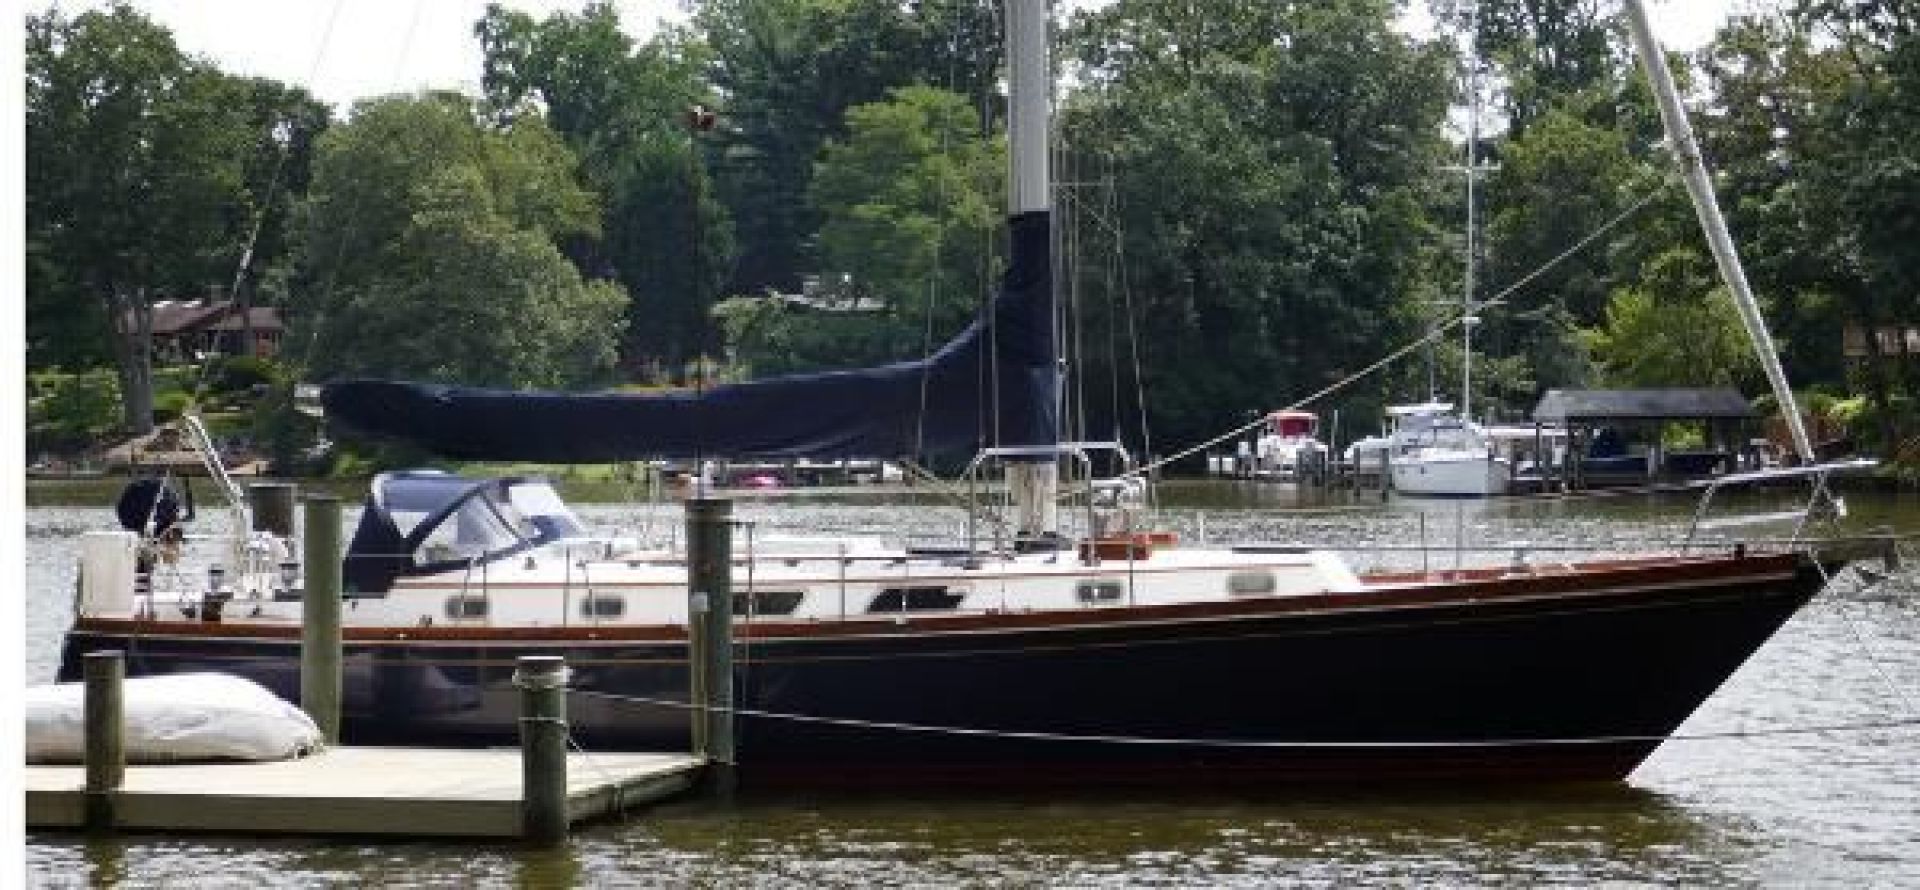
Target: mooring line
{"points": [[1026, 735]]}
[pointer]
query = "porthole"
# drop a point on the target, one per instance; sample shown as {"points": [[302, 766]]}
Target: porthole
{"points": [[603, 606], [1098, 590], [465, 608], [1251, 583], [915, 599]]}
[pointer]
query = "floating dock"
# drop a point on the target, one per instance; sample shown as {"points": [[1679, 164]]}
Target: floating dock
{"points": [[357, 791]]}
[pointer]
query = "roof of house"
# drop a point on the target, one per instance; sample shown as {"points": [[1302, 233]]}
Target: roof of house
{"points": [[174, 317], [1564, 405]]}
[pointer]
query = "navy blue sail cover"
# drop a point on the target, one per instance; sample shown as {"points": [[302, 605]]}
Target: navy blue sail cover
{"points": [[867, 412]]}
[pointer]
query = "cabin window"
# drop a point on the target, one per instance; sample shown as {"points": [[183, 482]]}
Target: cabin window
{"points": [[768, 602], [1251, 583], [471, 532], [466, 607], [603, 606], [915, 599], [1099, 590]]}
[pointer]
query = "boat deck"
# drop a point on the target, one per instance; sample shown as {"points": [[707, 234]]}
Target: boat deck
{"points": [[356, 791]]}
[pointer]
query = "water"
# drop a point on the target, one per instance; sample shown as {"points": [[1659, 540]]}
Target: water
{"points": [[1776, 808]]}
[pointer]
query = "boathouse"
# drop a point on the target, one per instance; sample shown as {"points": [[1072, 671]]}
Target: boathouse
{"points": [[1615, 435]]}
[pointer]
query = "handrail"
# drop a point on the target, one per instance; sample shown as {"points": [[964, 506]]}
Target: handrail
{"points": [[1820, 494]]}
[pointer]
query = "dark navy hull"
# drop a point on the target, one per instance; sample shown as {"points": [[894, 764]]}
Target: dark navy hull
{"points": [[1569, 677]]}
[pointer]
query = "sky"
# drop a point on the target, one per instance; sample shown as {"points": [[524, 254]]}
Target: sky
{"points": [[343, 50]]}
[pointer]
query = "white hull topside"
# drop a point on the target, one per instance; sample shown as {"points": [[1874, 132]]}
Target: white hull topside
{"points": [[579, 582], [1466, 474]]}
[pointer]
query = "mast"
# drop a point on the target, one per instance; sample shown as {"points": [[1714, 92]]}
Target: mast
{"points": [[1034, 483], [1700, 187], [1467, 320]]}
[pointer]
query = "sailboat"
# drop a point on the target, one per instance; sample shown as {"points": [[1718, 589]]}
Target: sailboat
{"points": [[1051, 646], [1435, 450]]}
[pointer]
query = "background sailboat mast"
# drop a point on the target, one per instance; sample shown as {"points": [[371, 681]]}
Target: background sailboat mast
{"points": [[1034, 484], [1700, 186], [1472, 173]]}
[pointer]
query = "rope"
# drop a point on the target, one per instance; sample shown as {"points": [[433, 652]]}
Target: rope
{"points": [[1258, 743], [1433, 334]]}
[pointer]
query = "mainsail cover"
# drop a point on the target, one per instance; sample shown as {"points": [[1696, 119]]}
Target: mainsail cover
{"points": [[996, 383]]}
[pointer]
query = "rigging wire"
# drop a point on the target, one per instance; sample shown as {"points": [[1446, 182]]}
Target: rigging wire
{"points": [[1029, 735]]}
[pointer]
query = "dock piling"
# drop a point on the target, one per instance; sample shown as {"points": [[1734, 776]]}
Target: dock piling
{"points": [[105, 739], [320, 647], [710, 632], [542, 680]]}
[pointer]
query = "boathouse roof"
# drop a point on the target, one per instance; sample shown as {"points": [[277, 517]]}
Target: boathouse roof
{"points": [[1574, 405]]}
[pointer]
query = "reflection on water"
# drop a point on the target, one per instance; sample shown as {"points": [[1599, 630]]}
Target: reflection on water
{"points": [[1816, 808]]}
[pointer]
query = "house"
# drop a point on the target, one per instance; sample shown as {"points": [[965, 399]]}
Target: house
{"points": [[183, 329], [1888, 340]]}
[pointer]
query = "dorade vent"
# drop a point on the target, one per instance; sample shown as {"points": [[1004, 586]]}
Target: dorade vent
{"points": [[916, 599], [602, 605], [466, 608], [1095, 591], [768, 602], [1257, 583]]}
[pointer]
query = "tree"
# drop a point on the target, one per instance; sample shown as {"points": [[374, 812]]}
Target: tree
{"points": [[1545, 51], [1674, 329], [911, 203], [1274, 164], [138, 185], [430, 245], [624, 109], [790, 69]]}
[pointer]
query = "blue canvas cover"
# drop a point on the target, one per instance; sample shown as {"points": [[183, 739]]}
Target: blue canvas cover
{"points": [[868, 412]]}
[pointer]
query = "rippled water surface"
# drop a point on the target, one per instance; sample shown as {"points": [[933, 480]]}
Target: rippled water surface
{"points": [[1764, 802]]}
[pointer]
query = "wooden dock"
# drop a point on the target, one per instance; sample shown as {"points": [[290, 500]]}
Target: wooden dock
{"points": [[372, 791]]}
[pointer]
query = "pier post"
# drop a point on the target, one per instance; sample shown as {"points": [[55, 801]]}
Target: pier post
{"points": [[320, 647], [272, 504], [105, 734], [710, 632], [542, 680]]}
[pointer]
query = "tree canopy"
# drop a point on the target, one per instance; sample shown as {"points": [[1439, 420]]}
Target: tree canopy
{"points": [[1256, 200], [424, 226]]}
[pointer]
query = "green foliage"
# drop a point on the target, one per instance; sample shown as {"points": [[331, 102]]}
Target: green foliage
{"points": [[1272, 165], [71, 410], [145, 170], [622, 108], [234, 374], [1259, 203], [434, 238], [790, 69], [1675, 330], [170, 405]]}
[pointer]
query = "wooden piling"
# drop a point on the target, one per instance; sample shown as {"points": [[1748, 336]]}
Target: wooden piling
{"points": [[106, 738], [272, 504], [710, 631], [542, 680], [320, 648]]}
